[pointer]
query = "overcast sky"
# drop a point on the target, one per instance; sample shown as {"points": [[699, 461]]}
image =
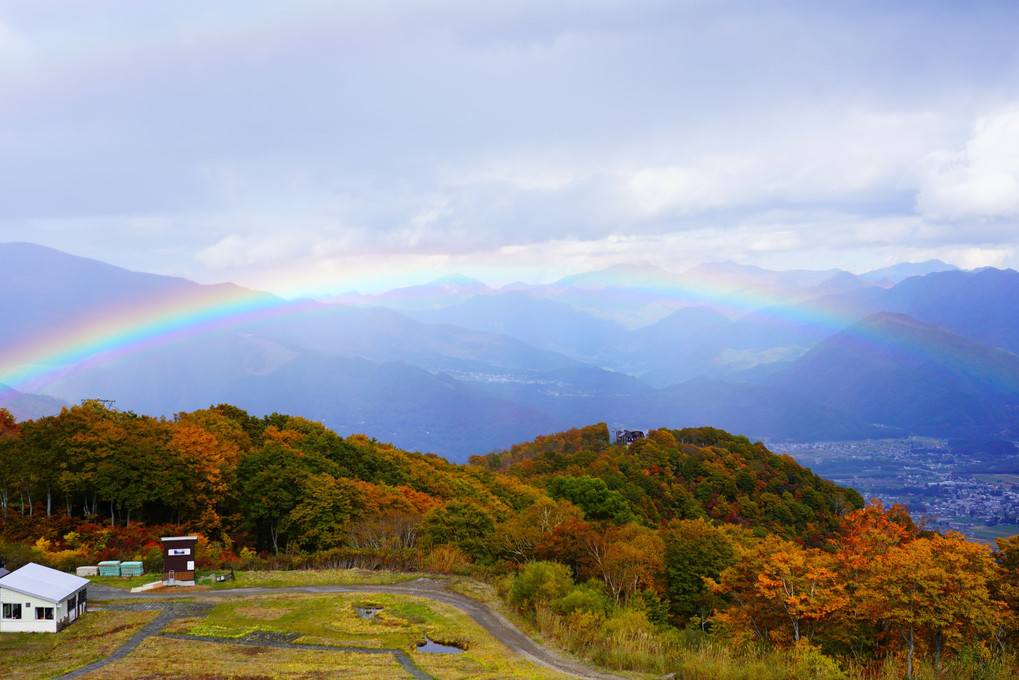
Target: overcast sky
{"points": [[312, 147]]}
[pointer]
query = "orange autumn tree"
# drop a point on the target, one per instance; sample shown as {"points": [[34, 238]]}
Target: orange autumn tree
{"points": [[870, 532], [523, 535], [933, 594], [209, 444], [864, 536], [1008, 589], [778, 591], [205, 460]]}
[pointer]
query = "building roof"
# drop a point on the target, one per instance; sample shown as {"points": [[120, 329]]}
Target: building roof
{"points": [[42, 582], [3, 572], [179, 538]]}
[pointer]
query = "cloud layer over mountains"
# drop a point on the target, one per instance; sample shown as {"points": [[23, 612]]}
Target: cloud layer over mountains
{"points": [[316, 147]]}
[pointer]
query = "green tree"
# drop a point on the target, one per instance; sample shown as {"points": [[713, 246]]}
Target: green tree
{"points": [[695, 549], [593, 496], [269, 484], [461, 523], [90, 434], [42, 449], [322, 515], [143, 470], [10, 436]]}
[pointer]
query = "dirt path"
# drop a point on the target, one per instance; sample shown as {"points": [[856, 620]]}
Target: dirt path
{"points": [[489, 619]]}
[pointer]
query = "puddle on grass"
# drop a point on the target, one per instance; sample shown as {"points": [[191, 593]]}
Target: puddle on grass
{"points": [[367, 612], [432, 647]]}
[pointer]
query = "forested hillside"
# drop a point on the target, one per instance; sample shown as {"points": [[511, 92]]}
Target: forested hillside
{"points": [[621, 553], [682, 474]]}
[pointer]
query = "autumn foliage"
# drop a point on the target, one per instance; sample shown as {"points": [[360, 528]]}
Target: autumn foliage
{"points": [[684, 536]]}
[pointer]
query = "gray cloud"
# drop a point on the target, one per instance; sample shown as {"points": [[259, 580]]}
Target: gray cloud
{"points": [[230, 137]]}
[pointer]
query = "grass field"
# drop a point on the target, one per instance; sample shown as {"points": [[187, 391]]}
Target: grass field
{"points": [[270, 579], [165, 658], [32, 656], [990, 533], [1001, 480], [329, 620], [305, 577], [125, 582]]}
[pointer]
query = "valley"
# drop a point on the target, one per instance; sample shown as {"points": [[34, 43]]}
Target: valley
{"points": [[935, 482], [882, 364]]}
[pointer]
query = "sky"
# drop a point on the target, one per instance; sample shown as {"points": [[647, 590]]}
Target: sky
{"points": [[316, 147]]}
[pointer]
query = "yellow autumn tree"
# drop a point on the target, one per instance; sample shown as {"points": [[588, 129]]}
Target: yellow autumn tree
{"points": [[634, 560], [934, 594]]}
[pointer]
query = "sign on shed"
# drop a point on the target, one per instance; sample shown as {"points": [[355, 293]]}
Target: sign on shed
{"points": [[179, 560]]}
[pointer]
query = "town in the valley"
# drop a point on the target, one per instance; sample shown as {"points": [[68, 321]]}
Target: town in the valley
{"points": [[969, 487]]}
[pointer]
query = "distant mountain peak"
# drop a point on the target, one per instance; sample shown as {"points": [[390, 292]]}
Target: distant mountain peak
{"points": [[457, 280], [904, 270], [622, 275]]}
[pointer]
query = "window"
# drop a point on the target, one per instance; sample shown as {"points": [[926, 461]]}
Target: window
{"points": [[44, 613], [12, 611], [72, 602]]}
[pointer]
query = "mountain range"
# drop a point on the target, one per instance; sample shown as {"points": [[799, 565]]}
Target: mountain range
{"points": [[459, 368]]}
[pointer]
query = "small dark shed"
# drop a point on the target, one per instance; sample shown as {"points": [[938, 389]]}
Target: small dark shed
{"points": [[629, 436], [179, 560]]}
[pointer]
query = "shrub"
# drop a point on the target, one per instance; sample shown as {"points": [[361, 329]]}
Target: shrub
{"points": [[540, 583], [584, 598]]}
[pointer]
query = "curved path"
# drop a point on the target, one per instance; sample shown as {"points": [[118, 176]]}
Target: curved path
{"points": [[492, 621]]}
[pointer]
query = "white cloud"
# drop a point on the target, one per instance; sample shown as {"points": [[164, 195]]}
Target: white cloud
{"points": [[710, 182], [980, 181], [576, 135], [238, 250], [971, 258]]}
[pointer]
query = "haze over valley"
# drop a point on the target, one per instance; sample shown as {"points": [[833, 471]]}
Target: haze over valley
{"points": [[458, 368]]}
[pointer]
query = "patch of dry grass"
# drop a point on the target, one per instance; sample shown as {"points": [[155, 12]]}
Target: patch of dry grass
{"points": [[28, 656], [313, 577], [163, 659], [263, 613]]}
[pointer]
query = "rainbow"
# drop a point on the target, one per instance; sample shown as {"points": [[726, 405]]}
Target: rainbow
{"points": [[102, 337], [33, 363]]}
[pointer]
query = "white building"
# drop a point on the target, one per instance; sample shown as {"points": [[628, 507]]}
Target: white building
{"points": [[37, 599]]}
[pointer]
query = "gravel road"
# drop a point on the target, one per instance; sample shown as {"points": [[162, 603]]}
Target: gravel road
{"points": [[489, 619]]}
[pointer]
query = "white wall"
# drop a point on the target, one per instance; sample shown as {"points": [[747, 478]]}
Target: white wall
{"points": [[28, 623]]}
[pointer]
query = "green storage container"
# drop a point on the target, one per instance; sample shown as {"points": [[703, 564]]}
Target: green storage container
{"points": [[109, 568], [132, 568]]}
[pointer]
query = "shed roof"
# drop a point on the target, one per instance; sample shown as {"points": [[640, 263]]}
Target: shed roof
{"points": [[42, 582], [179, 538]]}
